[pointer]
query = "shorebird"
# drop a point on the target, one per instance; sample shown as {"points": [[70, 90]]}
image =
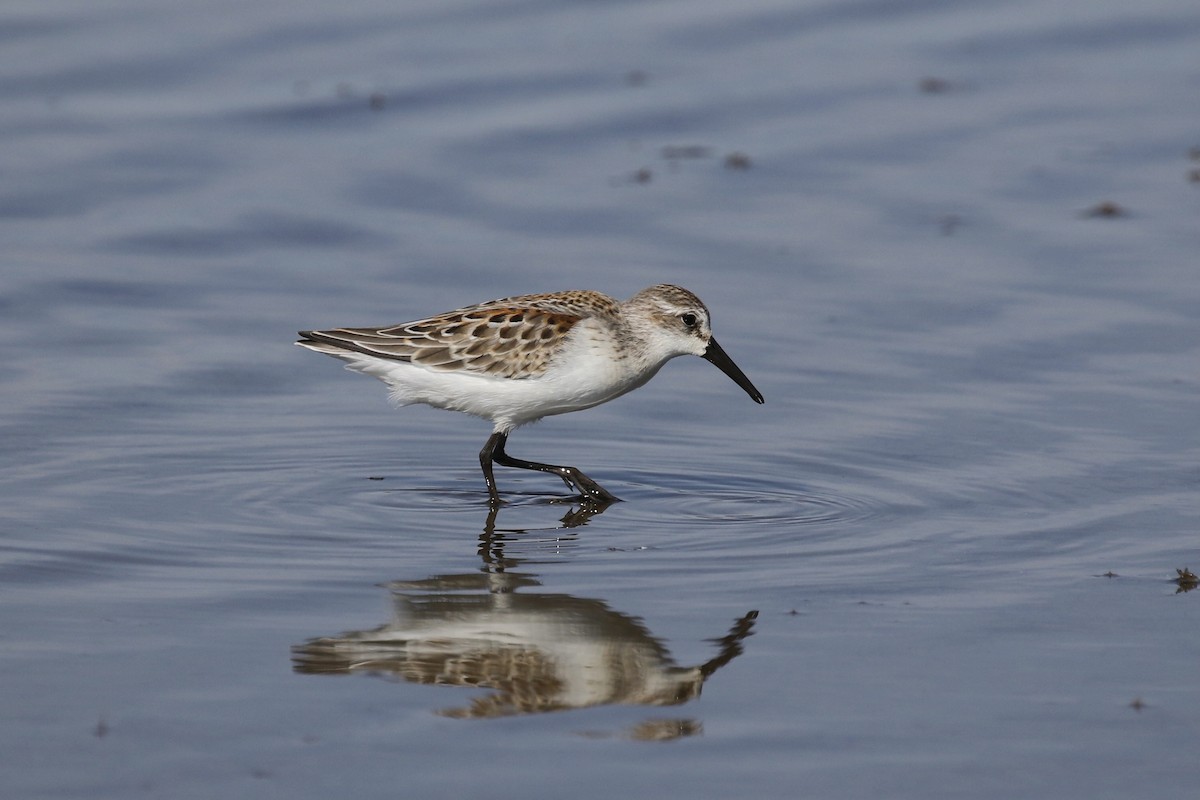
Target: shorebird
{"points": [[517, 359]]}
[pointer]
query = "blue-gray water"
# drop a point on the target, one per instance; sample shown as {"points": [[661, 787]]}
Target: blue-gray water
{"points": [[230, 570]]}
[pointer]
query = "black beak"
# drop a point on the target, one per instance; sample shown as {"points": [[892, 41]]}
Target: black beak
{"points": [[716, 356]]}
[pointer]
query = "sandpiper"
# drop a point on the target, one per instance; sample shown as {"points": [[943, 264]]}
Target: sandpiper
{"points": [[517, 359]]}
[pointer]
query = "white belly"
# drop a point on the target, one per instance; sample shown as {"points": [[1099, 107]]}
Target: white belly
{"points": [[585, 374]]}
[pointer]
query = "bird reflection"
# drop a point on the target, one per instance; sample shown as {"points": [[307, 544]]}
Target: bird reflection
{"points": [[535, 651]]}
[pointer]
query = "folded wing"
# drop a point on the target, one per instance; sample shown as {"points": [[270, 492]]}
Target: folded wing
{"points": [[504, 339]]}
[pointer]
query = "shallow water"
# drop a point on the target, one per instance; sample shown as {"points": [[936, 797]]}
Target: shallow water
{"points": [[229, 569]]}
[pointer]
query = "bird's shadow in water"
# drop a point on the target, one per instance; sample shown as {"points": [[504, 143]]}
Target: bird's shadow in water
{"points": [[533, 651]]}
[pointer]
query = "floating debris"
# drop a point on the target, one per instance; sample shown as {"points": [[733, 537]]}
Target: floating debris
{"points": [[737, 160], [931, 85], [1186, 580], [1107, 209]]}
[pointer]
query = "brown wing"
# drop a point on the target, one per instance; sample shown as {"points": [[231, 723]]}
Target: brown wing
{"points": [[505, 342]]}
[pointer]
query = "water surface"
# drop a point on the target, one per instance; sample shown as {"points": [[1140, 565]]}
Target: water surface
{"points": [[953, 243]]}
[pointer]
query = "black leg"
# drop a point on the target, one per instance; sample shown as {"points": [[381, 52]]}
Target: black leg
{"points": [[485, 461], [493, 452]]}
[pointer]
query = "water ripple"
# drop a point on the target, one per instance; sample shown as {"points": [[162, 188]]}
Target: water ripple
{"points": [[767, 504]]}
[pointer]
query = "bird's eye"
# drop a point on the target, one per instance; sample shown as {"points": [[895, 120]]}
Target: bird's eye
{"points": [[689, 319]]}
